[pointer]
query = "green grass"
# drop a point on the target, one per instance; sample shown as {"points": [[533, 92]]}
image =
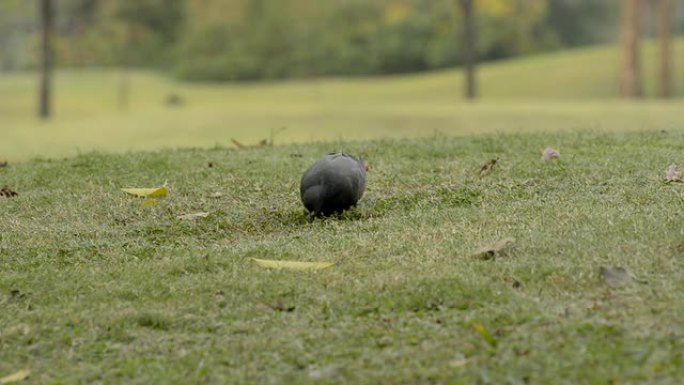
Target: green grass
{"points": [[107, 291], [559, 91]]}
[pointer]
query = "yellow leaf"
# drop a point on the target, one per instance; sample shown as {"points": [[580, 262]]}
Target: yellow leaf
{"points": [[156, 192], [15, 377], [150, 202], [486, 335], [292, 265]]}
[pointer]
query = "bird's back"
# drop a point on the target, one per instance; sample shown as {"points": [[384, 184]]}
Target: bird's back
{"points": [[334, 183]]}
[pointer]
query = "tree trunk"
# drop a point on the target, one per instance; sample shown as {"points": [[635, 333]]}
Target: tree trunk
{"points": [[630, 78], [469, 49], [665, 15], [44, 96], [123, 91]]}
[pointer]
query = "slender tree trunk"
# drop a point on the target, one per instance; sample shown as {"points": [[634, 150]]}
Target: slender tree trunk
{"points": [[630, 78], [665, 15], [44, 95], [123, 90], [469, 48]]}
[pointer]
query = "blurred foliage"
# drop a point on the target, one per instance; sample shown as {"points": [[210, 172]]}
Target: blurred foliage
{"points": [[266, 39]]}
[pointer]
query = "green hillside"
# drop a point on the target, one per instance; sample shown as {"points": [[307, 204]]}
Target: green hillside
{"points": [[565, 90]]}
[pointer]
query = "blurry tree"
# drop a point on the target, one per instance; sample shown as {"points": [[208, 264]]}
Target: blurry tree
{"points": [[630, 77], [294, 38], [580, 22], [17, 21], [469, 50], [665, 16], [150, 29], [265, 39], [46, 16]]}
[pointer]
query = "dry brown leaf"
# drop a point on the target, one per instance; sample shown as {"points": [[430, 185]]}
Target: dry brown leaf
{"points": [[238, 144], [241, 146], [488, 167], [550, 153], [278, 305], [498, 248], [8, 192]]}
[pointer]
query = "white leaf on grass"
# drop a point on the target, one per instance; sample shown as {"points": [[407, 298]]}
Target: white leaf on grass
{"points": [[615, 276], [671, 174], [495, 249], [15, 377], [292, 265], [550, 153], [192, 216], [326, 373]]}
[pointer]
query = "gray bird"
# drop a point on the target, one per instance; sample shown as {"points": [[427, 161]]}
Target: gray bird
{"points": [[333, 184]]}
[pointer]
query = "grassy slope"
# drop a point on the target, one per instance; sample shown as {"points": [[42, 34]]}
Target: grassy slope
{"points": [[548, 92], [111, 292]]}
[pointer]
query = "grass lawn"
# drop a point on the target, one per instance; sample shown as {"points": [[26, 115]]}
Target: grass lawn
{"points": [[96, 288], [559, 91]]}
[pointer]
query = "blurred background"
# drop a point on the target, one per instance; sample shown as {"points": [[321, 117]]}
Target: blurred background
{"points": [[119, 75]]}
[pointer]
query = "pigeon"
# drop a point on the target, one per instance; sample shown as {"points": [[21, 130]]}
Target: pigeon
{"points": [[333, 184]]}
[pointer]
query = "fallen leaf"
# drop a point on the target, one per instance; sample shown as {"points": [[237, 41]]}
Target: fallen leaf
{"points": [[15, 377], [615, 276], [238, 144], [292, 265], [550, 153], [325, 373], [459, 362], [280, 306], [671, 174], [192, 216], [488, 167], [486, 335], [156, 192], [496, 249], [261, 143], [8, 192], [150, 202]]}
